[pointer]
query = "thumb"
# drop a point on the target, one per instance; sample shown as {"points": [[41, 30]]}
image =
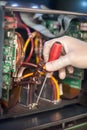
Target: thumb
{"points": [[58, 64]]}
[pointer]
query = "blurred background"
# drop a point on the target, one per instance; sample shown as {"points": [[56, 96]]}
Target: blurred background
{"points": [[69, 5]]}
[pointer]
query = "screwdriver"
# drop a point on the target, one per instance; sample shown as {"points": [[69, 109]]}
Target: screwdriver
{"points": [[55, 53]]}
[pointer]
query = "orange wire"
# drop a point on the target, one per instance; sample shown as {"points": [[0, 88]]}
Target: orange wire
{"points": [[27, 75]]}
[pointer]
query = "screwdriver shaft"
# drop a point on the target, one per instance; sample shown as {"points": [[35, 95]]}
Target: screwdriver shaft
{"points": [[41, 89]]}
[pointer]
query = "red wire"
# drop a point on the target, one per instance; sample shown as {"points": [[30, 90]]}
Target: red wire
{"points": [[29, 64]]}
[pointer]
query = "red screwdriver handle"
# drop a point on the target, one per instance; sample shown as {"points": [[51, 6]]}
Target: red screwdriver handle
{"points": [[55, 51]]}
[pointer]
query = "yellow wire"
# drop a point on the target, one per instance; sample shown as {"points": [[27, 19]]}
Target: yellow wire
{"points": [[52, 78], [36, 42], [27, 42], [57, 87], [36, 47], [25, 45]]}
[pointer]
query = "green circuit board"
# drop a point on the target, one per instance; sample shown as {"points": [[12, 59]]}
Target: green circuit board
{"points": [[9, 61]]}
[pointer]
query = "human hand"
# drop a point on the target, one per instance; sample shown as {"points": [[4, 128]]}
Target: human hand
{"points": [[75, 55]]}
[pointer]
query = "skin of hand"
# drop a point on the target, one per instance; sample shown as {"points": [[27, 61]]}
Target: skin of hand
{"points": [[75, 55]]}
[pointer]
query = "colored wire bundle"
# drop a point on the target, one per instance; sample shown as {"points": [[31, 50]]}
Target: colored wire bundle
{"points": [[56, 90]]}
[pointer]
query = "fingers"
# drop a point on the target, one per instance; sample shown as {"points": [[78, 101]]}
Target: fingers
{"points": [[46, 51], [58, 64], [70, 69], [62, 73]]}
